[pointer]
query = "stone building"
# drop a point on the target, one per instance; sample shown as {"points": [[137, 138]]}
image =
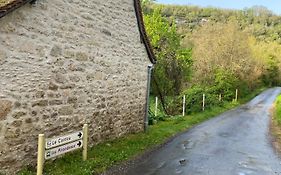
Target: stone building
{"points": [[66, 63]]}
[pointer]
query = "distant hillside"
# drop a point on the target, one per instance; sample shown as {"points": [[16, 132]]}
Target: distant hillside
{"points": [[258, 20]]}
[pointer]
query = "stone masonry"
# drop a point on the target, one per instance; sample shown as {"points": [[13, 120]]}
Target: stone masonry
{"points": [[64, 63]]}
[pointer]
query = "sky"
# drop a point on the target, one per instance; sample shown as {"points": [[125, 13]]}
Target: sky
{"points": [[273, 5]]}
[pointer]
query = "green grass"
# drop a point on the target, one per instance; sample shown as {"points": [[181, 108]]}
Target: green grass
{"points": [[110, 153], [277, 115], [275, 126]]}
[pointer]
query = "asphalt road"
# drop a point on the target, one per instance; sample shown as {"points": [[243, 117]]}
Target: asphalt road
{"points": [[234, 143]]}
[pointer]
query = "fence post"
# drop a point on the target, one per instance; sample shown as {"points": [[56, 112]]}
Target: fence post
{"points": [[236, 95], [183, 106], [156, 105], [40, 154], [203, 105], [85, 141]]}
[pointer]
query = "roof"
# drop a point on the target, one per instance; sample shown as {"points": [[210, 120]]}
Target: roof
{"points": [[143, 34], [10, 5], [7, 6]]}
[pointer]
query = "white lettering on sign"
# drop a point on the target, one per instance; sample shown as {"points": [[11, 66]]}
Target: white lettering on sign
{"points": [[51, 143], [51, 153]]}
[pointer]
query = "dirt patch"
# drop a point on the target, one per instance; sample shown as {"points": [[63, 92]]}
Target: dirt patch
{"points": [[275, 130]]}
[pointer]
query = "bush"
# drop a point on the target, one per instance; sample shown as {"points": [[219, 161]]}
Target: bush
{"points": [[194, 99]]}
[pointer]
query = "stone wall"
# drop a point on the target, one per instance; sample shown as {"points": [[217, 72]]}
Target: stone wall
{"points": [[64, 63]]}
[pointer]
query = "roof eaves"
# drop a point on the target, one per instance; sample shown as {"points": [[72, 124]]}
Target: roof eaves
{"points": [[4, 10], [142, 30]]}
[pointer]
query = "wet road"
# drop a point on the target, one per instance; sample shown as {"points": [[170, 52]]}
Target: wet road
{"points": [[234, 143]]}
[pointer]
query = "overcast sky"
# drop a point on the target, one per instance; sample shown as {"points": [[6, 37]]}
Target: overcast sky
{"points": [[273, 5]]}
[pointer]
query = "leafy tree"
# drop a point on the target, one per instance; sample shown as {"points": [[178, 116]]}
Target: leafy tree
{"points": [[271, 76], [223, 47], [173, 61]]}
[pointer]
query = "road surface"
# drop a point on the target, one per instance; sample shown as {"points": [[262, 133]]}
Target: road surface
{"points": [[234, 143]]}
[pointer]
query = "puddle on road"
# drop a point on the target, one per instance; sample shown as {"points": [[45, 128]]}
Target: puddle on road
{"points": [[188, 144], [224, 134]]}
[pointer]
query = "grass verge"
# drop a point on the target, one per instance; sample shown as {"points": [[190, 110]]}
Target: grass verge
{"points": [[276, 124], [105, 155]]}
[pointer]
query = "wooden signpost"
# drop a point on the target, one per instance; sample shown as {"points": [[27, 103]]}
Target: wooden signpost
{"points": [[53, 147]]}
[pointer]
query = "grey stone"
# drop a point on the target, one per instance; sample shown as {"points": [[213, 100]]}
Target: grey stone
{"points": [[66, 110], [56, 51]]}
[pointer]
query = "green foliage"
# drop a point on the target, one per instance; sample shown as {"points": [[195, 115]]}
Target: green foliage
{"points": [[225, 84], [153, 119], [271, 76], [173, 61], [222, 50], [278, 110], [194, 99]]}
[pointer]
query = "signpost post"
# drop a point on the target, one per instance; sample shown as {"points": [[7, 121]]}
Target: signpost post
{"points": [[40, 155], [85, 141], [50, 148]]}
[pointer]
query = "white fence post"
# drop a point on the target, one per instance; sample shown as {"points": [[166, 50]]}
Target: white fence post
{"points": [[203, 105], [156, 105], [183, 106]]}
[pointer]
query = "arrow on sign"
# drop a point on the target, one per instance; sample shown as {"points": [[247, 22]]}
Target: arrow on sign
{"points": [[62, 140], [79, 143]]}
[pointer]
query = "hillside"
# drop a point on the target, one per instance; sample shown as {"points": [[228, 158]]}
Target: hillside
{"points": [[258, 20]]}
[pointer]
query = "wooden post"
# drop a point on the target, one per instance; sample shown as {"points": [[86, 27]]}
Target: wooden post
{"points": [[156, 105], [183, 106], [40, 154], [203, 105], [236, 95], [220, 97], [85, 141]]}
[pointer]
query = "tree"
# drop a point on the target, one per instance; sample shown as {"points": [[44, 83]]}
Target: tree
{"points": [[221, 46], [173, 61]]}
